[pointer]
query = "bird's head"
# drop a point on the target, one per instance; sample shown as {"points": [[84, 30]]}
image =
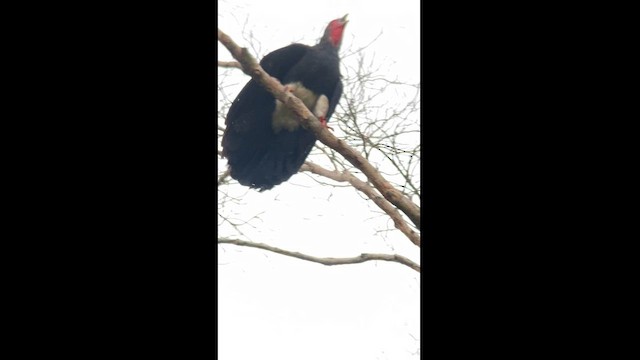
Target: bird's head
{"points": [[334, 31]]}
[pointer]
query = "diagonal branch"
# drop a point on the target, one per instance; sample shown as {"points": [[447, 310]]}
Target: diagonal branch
{"points": [[325, 261], [309, 121], [398, 221]]}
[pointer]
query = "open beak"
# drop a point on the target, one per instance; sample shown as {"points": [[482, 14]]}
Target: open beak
{"points": [[344, 19]]}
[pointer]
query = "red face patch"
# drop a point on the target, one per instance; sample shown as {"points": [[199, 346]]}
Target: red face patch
{"points": [[336, 27]]}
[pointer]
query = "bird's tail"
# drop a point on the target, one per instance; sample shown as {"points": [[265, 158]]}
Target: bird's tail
{"points": [[267, 160]]}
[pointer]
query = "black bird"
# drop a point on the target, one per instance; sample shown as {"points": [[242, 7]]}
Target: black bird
{"points": [[263, 141]]}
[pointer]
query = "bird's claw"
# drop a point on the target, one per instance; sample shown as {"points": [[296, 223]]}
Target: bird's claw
{"points": [[323, 122]]}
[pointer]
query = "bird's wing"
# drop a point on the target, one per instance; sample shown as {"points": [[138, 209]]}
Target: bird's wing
{"points": [[249, 117], [279, 62], [254, 103], [335, 98]]}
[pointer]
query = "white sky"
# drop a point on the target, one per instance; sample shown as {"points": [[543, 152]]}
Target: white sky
{"points": [[276, 307]]}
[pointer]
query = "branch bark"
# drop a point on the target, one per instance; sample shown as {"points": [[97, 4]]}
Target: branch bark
{"points": [[251, 67], [229, 64], [386, 206], [325, 261]]}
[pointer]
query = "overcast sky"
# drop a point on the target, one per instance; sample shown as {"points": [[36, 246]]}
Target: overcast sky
{"points": [[276, 307]]}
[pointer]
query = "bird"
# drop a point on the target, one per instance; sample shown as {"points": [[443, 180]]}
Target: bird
{"points": [[263, 141]]}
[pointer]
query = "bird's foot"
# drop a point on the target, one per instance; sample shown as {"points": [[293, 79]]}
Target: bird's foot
{"points": [[323, 122], [290, 88]]}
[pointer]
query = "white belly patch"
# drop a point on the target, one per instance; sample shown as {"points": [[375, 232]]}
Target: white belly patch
{"points": [[283, 118]]}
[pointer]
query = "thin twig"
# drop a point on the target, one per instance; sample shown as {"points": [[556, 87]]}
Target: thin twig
{"points": [[224, 176]]}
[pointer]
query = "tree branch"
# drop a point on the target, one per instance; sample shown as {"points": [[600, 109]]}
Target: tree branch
{"points": [[309, 121], [325, 261], [346, 176], [229, 64]]}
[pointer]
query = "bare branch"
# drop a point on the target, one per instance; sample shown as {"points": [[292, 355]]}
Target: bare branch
{"points": [[310, 122], [238, 53], [326, 261], [398, 221], [229, 64]]}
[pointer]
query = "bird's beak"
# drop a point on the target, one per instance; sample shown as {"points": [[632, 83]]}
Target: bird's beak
{"points": [[344, 19]]}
